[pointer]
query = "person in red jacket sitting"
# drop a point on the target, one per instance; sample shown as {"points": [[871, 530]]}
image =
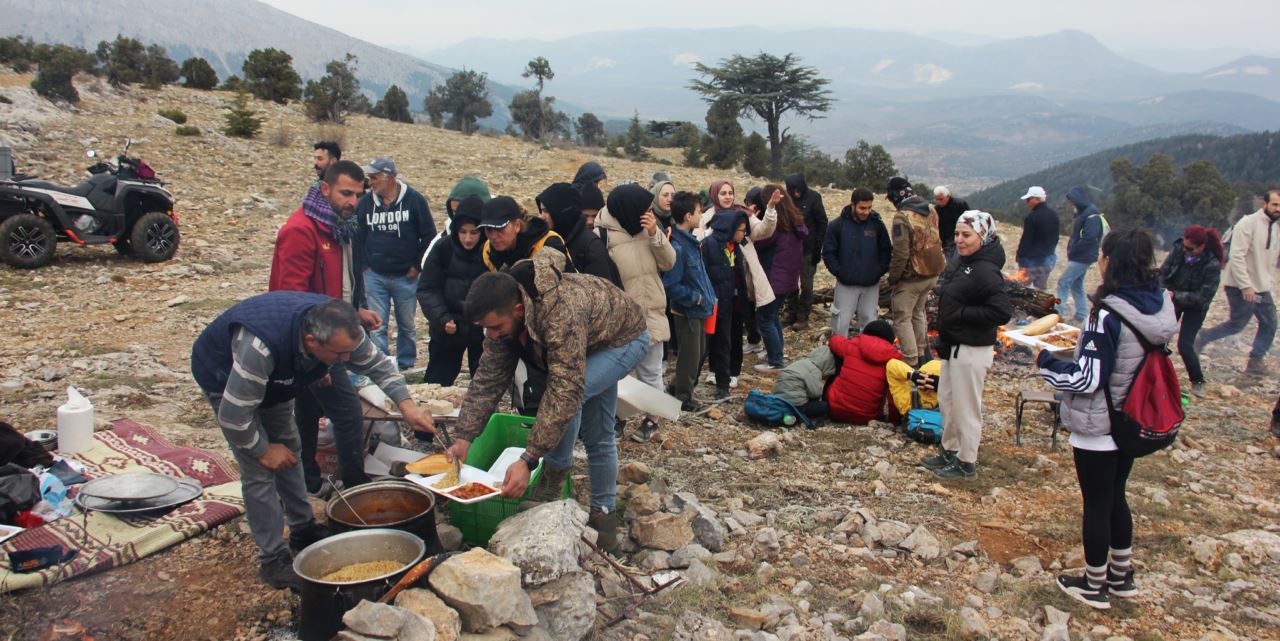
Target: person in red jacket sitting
{"points": [[858, 394]]}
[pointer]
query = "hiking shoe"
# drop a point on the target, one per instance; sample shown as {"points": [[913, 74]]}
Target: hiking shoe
{"points": [[765, 368], [1122, 586], [606, 525], [801, 324], [1256, 367], [1198, 389], [645, 432], [733, 382], [278, 573], [939, 460], [711, 378], [690, 405], [751, 348], [722, 392], [1077, 587], [957, 470], [304, 535]]}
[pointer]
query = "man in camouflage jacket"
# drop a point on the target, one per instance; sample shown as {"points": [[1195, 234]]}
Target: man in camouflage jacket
{"points": [[586, 334]]}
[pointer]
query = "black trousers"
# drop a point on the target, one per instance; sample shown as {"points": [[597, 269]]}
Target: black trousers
{"points": [[444, 355], [1107, 522], [337, 401], [1192, 321], [725, 348]]}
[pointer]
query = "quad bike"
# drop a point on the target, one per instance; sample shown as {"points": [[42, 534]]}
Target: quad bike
{"points": [[124, 204]]}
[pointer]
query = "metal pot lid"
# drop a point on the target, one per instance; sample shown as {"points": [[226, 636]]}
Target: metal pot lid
{"points": [[130, 486], [185, 490]]}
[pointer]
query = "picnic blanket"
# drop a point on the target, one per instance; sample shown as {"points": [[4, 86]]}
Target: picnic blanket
{"points": [[105, 541]]}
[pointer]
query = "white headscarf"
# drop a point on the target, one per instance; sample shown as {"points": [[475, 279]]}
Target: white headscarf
{"points": [[982, 223]]}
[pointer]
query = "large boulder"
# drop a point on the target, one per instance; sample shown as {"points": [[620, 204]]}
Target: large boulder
{"points": [[662, 531], [427, 605], [542, 541], [485, 590], [566, 607], [369, 620]]}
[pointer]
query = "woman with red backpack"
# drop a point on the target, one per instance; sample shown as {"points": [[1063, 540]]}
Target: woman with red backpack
{"points": [[1107, 358]]}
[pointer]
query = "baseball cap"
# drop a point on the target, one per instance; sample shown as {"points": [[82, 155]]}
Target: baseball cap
{"points": [[1035, 192], [380, 165], [500, 211]]}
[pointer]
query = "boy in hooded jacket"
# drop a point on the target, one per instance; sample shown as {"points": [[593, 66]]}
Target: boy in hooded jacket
{"points": [[691, 297], [727, 270]]}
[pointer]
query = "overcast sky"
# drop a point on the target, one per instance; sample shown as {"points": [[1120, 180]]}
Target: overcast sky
{"points": [[1122, 25]]}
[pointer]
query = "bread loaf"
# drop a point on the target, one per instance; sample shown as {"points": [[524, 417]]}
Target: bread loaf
{"points": [[431, 464], [1041, 325]]}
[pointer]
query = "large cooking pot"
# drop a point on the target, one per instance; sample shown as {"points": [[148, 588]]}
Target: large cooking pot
{"points": [[399, 505], [324, 602]]}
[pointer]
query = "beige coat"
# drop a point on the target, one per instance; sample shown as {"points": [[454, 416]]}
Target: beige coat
{"points": [[760, 228], [1255, 247], [641, 259]]}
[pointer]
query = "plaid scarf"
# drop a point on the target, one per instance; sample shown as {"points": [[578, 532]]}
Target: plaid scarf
{"points": [[318, 209]]}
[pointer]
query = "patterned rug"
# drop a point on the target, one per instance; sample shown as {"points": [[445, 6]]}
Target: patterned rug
{"points": [[105, 541]]}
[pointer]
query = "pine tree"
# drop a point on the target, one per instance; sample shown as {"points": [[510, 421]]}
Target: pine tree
{"points": [[198, 74], [242, 122], [394, 105], [755, 155], [722, 146]]}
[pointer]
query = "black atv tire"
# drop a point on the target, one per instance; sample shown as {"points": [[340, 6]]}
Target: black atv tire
{"points": [[154, 237], [27, 241], [122, 247]]}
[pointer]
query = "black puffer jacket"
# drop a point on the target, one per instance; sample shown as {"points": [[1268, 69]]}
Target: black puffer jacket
{"points": [[1193, 286], [815, 215], [974, 303], [448, 271]]}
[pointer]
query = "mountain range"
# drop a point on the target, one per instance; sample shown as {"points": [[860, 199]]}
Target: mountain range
{"points": [[970, 112]]}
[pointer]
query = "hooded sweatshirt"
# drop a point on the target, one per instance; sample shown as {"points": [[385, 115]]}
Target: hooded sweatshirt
{"points": [[589, 255], [589, 173], [467, 186], [395, 234], [722, 268], [974, 303], [1086, 228], [449, 269], [815, 215], [1107, 354]]}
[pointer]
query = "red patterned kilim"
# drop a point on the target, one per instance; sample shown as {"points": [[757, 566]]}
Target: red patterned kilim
{"points": [[105, 541]]}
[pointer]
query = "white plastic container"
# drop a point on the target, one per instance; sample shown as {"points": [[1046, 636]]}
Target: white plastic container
{"points": [[75, 423]]}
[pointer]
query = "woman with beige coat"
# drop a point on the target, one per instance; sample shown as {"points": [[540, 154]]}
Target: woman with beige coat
{"points": [[641, 253]]}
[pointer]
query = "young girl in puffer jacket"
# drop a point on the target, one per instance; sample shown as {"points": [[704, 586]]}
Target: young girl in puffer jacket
{"points": [[1108, 353]]}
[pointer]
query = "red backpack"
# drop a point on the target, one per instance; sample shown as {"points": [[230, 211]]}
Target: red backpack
{"points": [[1152, 412]]}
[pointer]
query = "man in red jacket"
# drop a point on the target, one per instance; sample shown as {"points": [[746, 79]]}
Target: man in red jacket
{"points": [[315, 253]]}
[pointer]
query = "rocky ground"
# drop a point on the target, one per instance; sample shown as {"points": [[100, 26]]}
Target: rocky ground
{"points": [[831, 533]]}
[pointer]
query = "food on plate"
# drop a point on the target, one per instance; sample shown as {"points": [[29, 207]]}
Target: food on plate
{"points": [[433, 464], [362, 571], [472, 491], [450, 478], [1066, 339], [1041, 325]]}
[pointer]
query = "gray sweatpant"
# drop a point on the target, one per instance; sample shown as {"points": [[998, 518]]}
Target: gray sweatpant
{"points": [[848, 299], [963, 377], [272, 498]]}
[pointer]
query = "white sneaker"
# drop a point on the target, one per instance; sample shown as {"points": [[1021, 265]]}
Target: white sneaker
{"points": [[752, 347], [711, 378], [733, 382]]}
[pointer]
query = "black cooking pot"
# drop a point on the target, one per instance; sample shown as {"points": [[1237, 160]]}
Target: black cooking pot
{"points": [[398, 505], [324, 602]]}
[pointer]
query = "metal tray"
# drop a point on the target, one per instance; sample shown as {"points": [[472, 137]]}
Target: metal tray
{"points": [[130, 486], [186, 490]]}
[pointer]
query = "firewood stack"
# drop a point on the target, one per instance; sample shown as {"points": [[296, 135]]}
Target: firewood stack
{"points": [[1034, 302]]}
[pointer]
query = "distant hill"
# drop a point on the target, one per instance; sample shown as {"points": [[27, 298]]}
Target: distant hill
{"points": [[1248, 158]]}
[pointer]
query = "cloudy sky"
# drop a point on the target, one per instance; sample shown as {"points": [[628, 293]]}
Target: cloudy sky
{"points": [[1149, 29]]}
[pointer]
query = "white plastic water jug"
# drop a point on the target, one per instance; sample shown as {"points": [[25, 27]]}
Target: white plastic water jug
{"points": [[75, 423]]}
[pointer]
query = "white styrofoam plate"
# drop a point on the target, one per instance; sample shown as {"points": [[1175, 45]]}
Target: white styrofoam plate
{"points": [[468, 475]]}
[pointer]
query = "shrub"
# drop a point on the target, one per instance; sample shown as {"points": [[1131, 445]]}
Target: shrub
{"points": [[187, 130], [242, 122], [175, 115]]}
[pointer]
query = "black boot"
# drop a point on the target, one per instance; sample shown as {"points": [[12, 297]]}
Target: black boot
{"points": [[606, 525]]}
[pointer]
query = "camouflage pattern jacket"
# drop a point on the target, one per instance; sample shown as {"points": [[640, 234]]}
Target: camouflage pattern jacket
{"points": [[567, 317]]}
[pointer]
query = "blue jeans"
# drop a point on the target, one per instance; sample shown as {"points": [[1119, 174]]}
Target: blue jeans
{"points": [[771, 331], [1038, 269], [1264, 309], [383, 290], [1072, 280], [594, 420]]}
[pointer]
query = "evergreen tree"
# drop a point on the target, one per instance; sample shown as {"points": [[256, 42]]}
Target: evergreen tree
{"points": [[160, 69], [464, 96], [198, 74], [269, 75], [1207, 198], [722, 146], [233, 83], [242, 122], [17, 53], [58, 65], [538, 68], [755, 155], [332, 97], [635, 140], [394, 105], [686, 134], [123, 60], [590, 129], [869, 166]]}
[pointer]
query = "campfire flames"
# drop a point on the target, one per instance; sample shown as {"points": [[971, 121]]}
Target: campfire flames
{"points": [[1005, 341], [1020, 277]]}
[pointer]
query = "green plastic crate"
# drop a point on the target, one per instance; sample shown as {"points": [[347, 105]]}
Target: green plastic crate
{"points": [[478, 521]]}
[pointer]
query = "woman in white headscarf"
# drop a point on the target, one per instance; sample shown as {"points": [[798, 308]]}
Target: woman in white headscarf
{"points": [[972, 306]]}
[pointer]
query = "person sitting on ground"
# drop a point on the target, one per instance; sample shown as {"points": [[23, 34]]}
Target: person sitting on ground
{"points": [[560, 205], [804, 381], [857, 395], [1108, 354], [902, 376], [692, 299], [447, 273]]}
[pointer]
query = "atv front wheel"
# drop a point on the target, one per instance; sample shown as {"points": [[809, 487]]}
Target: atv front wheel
{"points": [[27, 241], [154, 237]]}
